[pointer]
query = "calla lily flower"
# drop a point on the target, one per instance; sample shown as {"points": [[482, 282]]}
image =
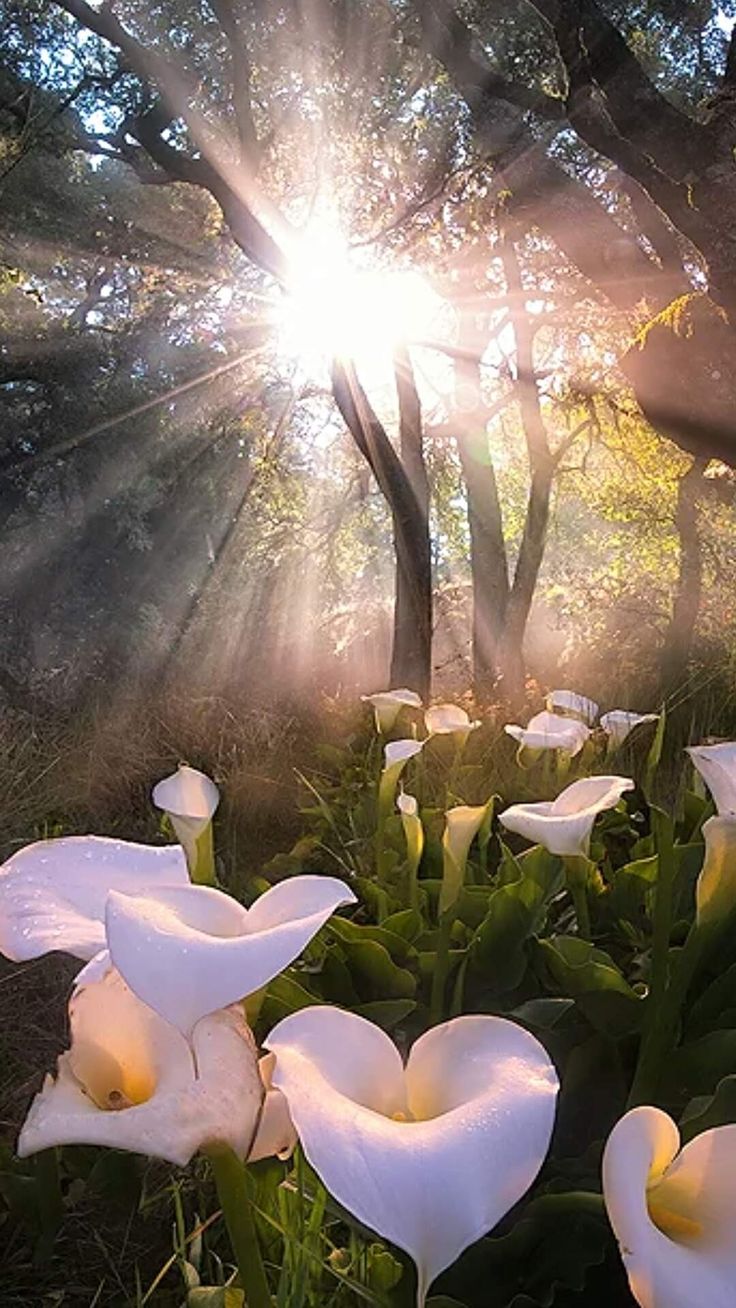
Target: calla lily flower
{"points": [[189, 951], [396, 756], [619, 723], [673, 1213], [131, 1081], [570, 702], [430, 1156], [549, 731], [387, 705], [564, 825], [189, 798], [462, 825], [717, 766], [414, 835], [449, 720], [53, 892], [715, 890]]}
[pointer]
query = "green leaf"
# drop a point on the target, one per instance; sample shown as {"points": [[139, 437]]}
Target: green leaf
{"points": [[284, 996], [590, 977], [384, 1271], [707, 1111], [515, 911], [387, 1013], [542, 1014], [628, 898], [399, 948], [374, 972], [215, 1296], [697, 1067]]}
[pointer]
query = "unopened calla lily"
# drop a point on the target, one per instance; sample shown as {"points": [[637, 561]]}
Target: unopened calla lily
{"points": [[387, 705], [190, 799], [414, 836], [192, 950], [430, 1156], [564, 825], [673, 1211]]}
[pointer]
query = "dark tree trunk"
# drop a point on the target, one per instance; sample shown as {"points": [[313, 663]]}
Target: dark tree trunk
{"points": [[411, 662], [678, 640], [411, 654]]}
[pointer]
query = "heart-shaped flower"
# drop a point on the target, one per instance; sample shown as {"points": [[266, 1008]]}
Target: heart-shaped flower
{"points": [[191, 950], [564, 825], [53, 892], [673, 1213], [430, 1156]]}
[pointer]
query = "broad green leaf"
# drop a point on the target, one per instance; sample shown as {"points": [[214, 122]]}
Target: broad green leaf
{"points": [[591, 978], [387, 1013], [707, 1111], [375, 974]]}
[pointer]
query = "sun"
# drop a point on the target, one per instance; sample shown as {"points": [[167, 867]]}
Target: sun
{"points": [[336, 307]]}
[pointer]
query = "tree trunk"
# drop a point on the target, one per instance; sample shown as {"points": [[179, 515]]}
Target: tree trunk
{"points": [[488, 562], [411, 656], [679, 637], [411, 661]]}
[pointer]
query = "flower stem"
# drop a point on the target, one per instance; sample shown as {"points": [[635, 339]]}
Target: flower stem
{"points": [[441, 968], [576, 873], [232, 1191], [203, 872]]}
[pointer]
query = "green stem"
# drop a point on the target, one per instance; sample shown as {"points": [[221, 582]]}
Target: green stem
{"points": [[577, 870], [663, 1004], [232, 1192], [441, 968]]}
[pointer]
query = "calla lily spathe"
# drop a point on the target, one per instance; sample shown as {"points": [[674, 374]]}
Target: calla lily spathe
{"points": [[430, 1156], [564, 825], [715, 889], [569, 701], [449, 720], [619, 723], [192, 950], [549, 731], [190, 799], [131, 1081], [53, 892], [462, 825], [413, 830], [387, 705], [673, 1213], [717, 766]]}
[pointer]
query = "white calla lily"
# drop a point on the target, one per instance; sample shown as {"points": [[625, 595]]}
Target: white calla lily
{"points": [[396, 756], [449, 720], [131, 1081], [462, 825], [715, 889], [431, 1156], [414, 836], [619, 723], [190, 951], [717, 766], [563, 826], [387, 705], [190, 799], [549, 731], [673, 1213], [53, 892], [568, 701]]}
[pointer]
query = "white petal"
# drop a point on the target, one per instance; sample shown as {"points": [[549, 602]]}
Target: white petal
{"points": [[187, 793], [387, 703], [571, 702], [548, 731], [462, 825], [191, 951], [715, 890], [433, 1186], [443, 719], [618, 723], [400, 751], [591, 794], [275, 1134], [717, 766], [53, 893], [211, 1096], [564, 826], [689, 1267], [407, 804]]}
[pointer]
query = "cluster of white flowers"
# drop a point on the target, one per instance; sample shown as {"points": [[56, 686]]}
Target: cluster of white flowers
{"points": [[431, 1155]]}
